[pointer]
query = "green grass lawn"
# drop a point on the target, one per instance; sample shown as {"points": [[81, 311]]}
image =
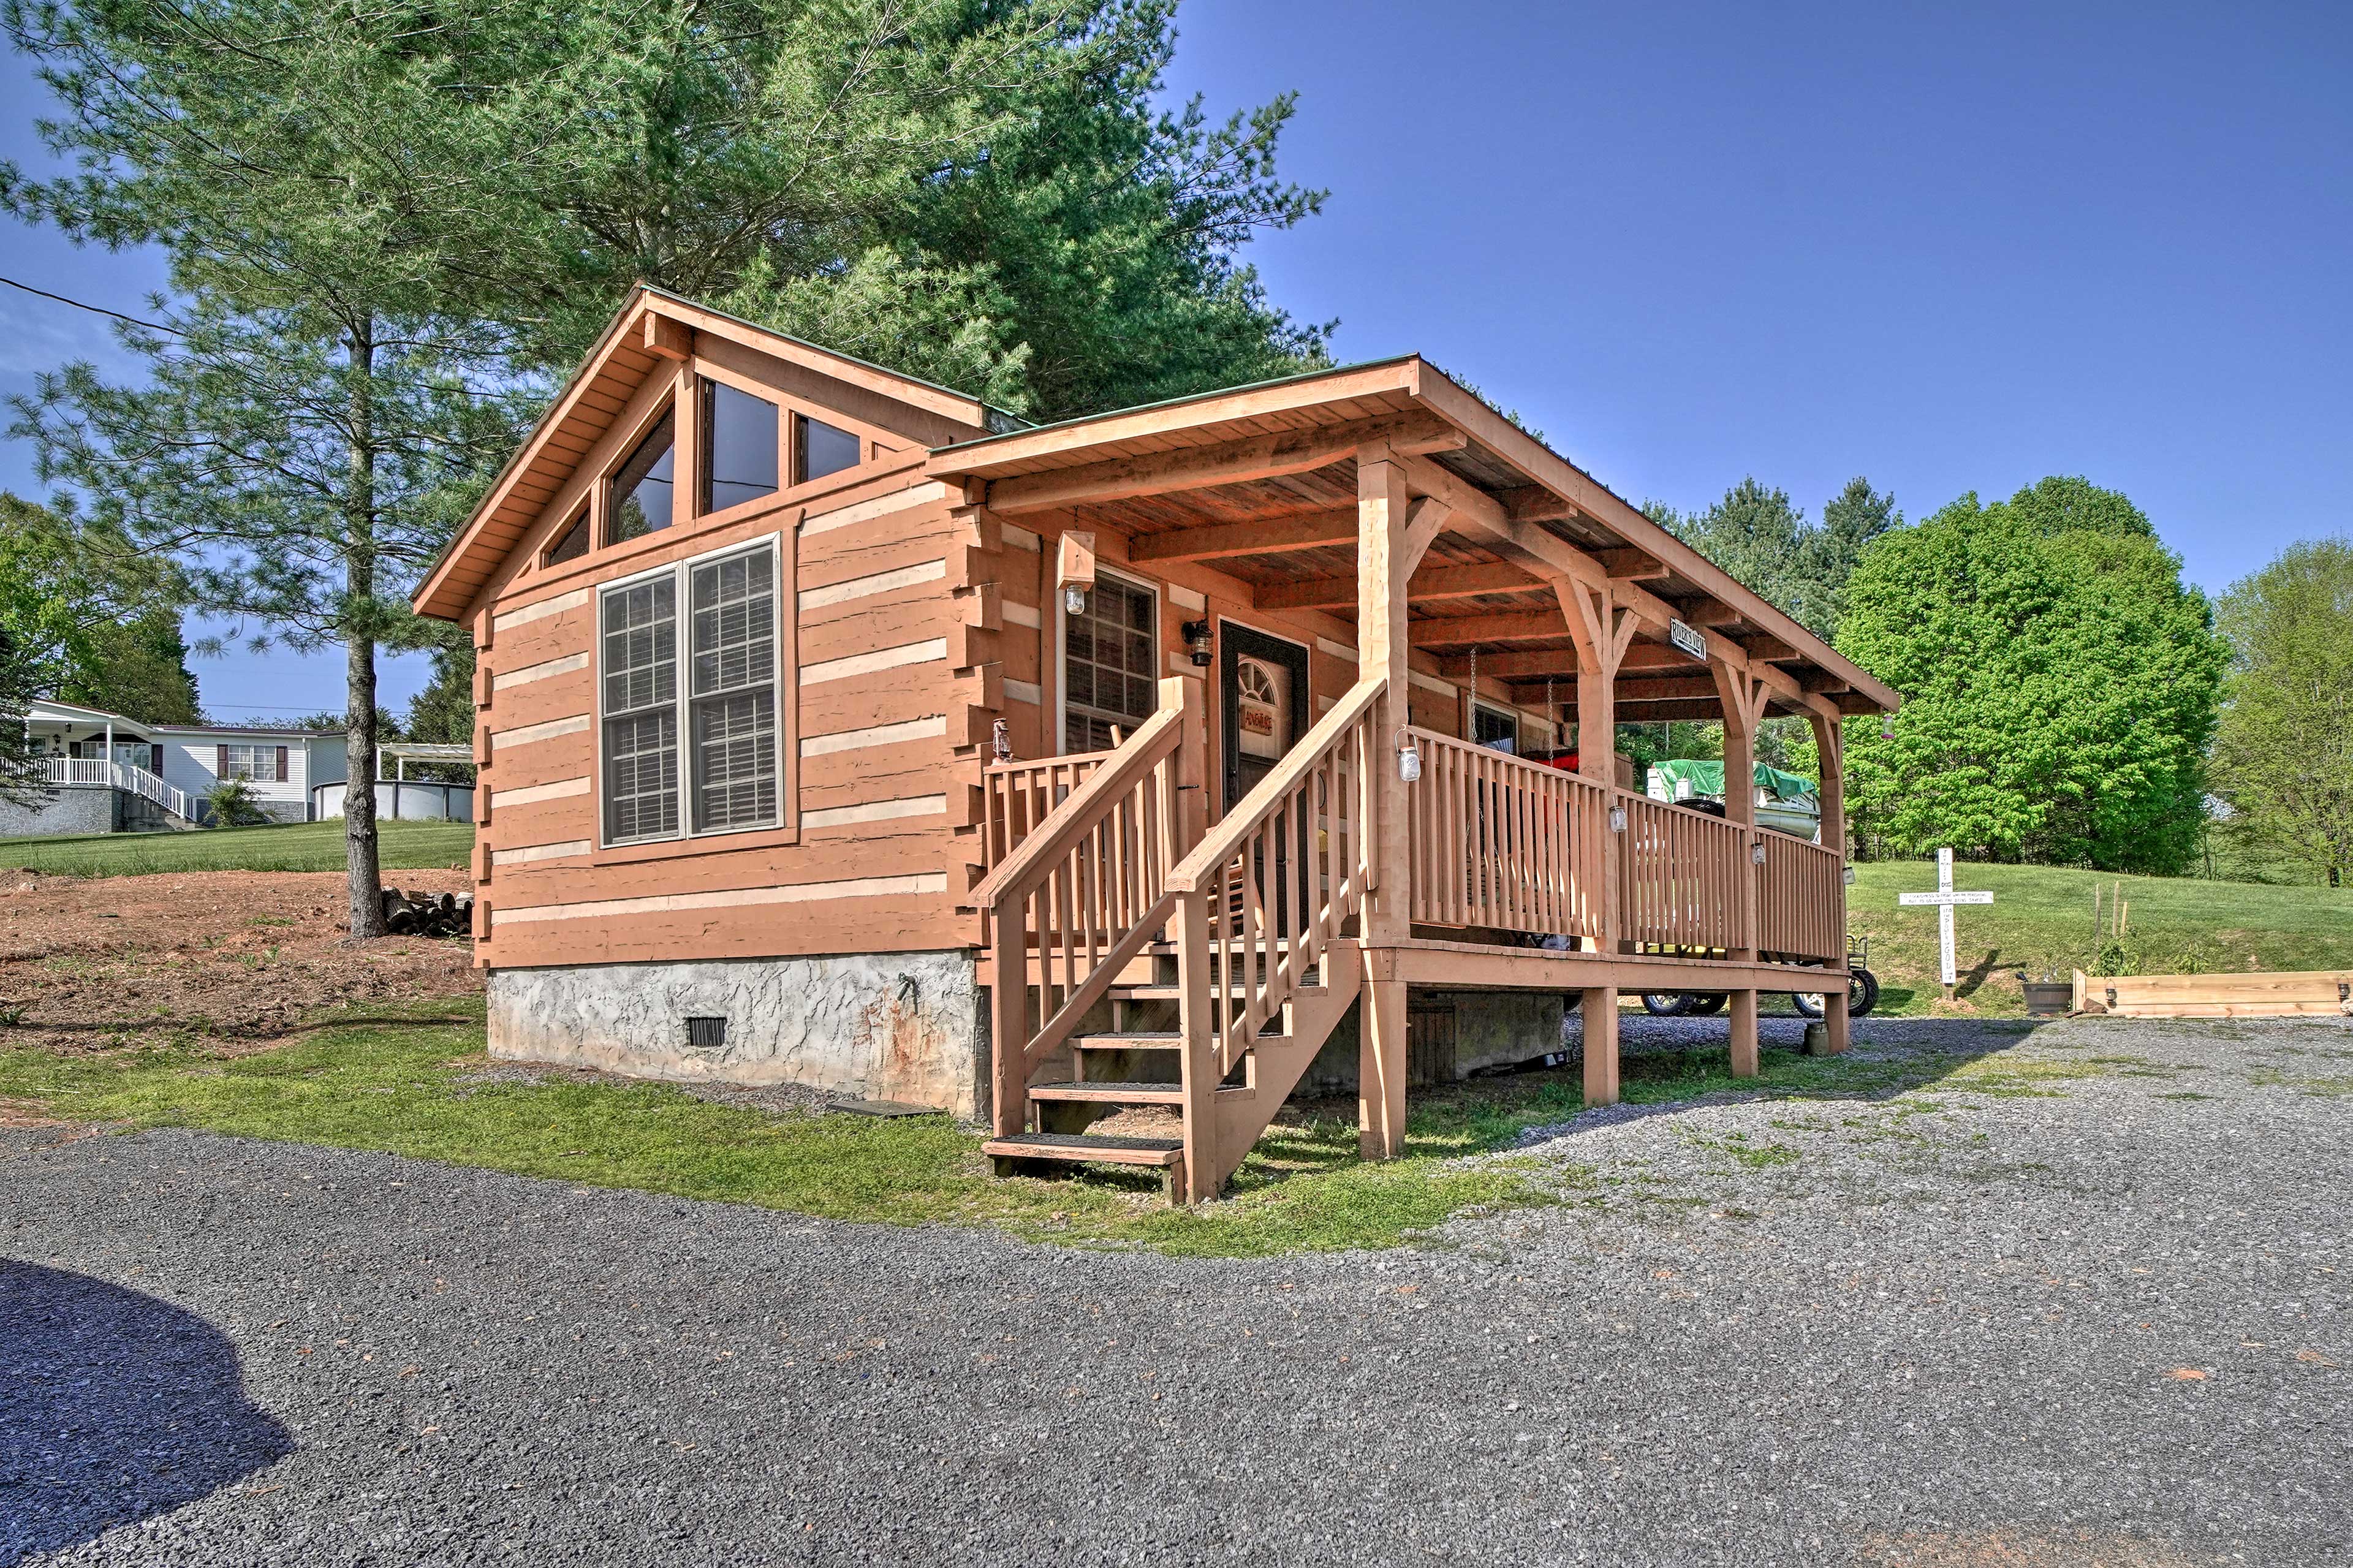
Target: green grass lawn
{"points": [[294, 846], [2040, 921], [411, 1085]]}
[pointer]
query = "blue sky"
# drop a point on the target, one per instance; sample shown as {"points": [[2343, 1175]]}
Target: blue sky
{"points": [[1949, 248]]}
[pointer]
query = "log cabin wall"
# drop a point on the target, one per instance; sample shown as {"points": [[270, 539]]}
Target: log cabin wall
{"points": [[886, 707]]}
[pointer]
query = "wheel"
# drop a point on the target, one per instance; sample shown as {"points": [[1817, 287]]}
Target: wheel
{"points": [[1705, 1003], [1665, 1003], [1862, 995]]}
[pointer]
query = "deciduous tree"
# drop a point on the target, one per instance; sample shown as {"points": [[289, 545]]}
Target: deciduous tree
{"points": [[2060, 684], [2284, 751]]}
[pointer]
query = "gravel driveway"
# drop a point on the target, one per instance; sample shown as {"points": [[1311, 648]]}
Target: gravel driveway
{"points": [[2087, 1311]]}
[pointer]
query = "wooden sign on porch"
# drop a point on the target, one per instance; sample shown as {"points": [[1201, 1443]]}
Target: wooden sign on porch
{"points": [[1945, 898]]}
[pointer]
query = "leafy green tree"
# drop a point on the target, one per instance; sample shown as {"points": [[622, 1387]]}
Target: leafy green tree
{"points": [[102, 619], [2060, 684], [137, 668], [2284, 751]]}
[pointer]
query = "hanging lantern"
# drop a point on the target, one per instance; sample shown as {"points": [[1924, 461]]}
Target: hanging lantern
{"points": [[1409, 759]]}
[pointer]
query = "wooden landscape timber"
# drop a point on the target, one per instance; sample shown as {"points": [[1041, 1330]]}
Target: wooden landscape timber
{"points": [[1004, 809], [2310, 994]]}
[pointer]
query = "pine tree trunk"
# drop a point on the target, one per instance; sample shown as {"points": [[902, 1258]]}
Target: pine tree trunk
{"points": [[363, 871]]}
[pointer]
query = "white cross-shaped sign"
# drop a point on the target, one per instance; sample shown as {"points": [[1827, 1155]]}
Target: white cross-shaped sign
{"points": [[1944, 898]]}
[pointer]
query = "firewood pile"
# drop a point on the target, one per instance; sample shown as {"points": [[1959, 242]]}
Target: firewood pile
{"points": [[428, 914]]}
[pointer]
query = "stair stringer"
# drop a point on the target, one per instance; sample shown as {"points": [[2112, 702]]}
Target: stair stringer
{"points": [[1279, 1061]]}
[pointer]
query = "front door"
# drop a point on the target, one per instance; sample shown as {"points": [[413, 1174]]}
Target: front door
{"points": [[1264, 684], [1263, 714]]}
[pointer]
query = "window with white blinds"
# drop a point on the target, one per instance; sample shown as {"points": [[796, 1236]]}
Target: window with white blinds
{"points": [[640, 697], [732, 708], [728, 774]]}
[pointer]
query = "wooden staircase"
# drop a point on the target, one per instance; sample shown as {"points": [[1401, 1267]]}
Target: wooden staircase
{"points": [[1141, 966], [1138, 1064]]}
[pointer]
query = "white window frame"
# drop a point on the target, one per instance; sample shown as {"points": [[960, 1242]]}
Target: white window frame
{"points": [[681, 572], [1060, 655], [1519, 724], [268, 763]]}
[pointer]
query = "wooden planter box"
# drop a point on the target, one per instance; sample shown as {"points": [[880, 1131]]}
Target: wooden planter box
{"points": [[2049, 998]]}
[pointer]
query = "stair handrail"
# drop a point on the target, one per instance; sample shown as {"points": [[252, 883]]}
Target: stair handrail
{"points": [[1101, 858], [1251, 985]]}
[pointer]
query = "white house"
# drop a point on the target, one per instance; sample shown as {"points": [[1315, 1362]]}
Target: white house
{"points": [[110, 773]]}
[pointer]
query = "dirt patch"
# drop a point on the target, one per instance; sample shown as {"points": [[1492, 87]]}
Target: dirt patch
{"points": [[99, 964]]}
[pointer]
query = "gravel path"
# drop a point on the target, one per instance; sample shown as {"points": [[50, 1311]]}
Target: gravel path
{"points": [[2085, 1312]]}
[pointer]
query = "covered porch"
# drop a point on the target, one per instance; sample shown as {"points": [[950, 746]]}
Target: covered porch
{"points": [[1475, 592]]}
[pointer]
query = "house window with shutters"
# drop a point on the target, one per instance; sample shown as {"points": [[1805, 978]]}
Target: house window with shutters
{"points": [[257, 763], [689, 669]]}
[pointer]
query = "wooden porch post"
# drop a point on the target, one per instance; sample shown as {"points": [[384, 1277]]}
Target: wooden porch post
{"points": [[1383, 564], [1830, 749], [1601, 633], [1743, 699]]}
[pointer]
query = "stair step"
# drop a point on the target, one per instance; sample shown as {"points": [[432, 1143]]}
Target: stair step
{"points": [[1112, 1092], [1131, 1092], [1141, 1040], [1312, 991], [1077, 1147]]}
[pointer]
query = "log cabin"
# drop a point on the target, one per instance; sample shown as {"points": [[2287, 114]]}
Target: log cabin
{"points": [[836, 728]]}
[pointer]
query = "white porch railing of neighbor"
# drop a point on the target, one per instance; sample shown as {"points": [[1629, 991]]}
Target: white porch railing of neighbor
{"points": [[137, 781]]}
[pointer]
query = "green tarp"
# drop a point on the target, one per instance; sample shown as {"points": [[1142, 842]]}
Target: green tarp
{"points": [[1707, 779]]}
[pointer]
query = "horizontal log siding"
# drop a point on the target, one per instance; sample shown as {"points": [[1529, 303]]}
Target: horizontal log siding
{"points": [[881, 854]]}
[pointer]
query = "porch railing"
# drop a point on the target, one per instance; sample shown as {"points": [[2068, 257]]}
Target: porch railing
{"points": [[1268, 888], [1506, 844], [104, 770], [1016, 796], [1801, 900], [1682, 876], [1083, 888]]}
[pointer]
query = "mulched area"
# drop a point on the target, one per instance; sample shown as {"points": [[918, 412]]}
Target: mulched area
{"points": [[2079, 1303], [96, 963]]}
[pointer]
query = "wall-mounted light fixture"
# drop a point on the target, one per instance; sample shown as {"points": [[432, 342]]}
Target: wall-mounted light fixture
{"points": [[1074, 570], [1197, 641], [1408, 757]]}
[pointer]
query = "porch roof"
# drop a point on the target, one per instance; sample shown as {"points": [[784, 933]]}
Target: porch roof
{"points": [[1261, 480]]}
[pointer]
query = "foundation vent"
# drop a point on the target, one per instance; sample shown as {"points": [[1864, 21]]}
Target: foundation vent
{"points": [[706, 1033]]}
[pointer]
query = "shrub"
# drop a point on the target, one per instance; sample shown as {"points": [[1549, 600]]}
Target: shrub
{"points": [[233, 804]]}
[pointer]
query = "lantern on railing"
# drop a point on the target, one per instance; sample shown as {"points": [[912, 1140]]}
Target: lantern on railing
{"points": [[1409, 759], [1617, 819]]}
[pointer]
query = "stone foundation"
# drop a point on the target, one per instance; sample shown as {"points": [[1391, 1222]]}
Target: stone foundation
{"points": [[906, 1026], [64, 808]]}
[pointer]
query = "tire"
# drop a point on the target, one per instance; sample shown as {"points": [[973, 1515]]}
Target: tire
{"points": [[1706, 1003], [1861, 997], [1665, 1003]]}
